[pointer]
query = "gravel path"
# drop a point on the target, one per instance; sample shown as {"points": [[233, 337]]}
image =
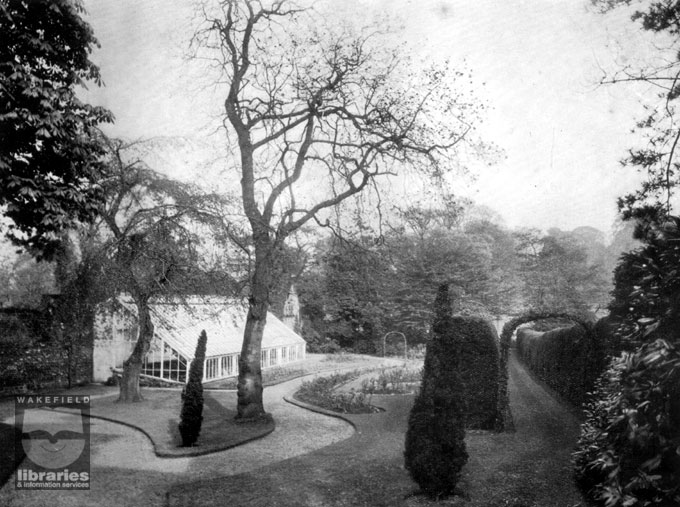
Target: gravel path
{"points": [[126, 472]]}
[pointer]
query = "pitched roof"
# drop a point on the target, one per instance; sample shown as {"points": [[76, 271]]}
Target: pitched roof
{"points": [[179, 322]]}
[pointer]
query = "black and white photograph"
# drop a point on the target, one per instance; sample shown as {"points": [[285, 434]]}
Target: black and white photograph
{"points": [[310, 253]]}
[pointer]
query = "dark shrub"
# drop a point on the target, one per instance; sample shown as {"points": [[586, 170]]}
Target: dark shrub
{"points": [[628, 452], [435, 446], [192, 397], [478, 367]]}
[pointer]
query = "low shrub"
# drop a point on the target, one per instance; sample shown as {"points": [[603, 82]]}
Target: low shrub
{"points": [[322, 392], [191, 416], [398, 380], [628, 454]]}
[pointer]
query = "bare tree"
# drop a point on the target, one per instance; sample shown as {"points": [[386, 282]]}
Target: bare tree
{"points": [[318, 115]]}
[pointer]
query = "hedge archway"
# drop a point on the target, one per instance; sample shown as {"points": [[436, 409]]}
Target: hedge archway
{"points": [[504, 421]]}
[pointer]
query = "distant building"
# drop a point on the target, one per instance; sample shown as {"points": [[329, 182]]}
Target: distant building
{"points": [[291, 310], [177, 325]]}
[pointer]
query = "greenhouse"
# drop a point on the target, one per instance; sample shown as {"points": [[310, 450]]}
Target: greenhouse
{"points": [[177, 325]]}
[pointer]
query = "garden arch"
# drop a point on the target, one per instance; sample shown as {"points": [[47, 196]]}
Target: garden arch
{"points": [[399, 334], [504, 421]]}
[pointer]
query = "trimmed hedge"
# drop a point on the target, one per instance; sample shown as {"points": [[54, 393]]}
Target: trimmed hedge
{"points": [[435, 440], [478, 366], [505, 418], [568, 359], [192, 397]]}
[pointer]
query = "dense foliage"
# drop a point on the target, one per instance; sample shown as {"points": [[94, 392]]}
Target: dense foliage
{"points": [[192, 396], [435, 440], [355, 291], [628, 450], [563, 271], [647, 279], [28, 357], [49, 151]]}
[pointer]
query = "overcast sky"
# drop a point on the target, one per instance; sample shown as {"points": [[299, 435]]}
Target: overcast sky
{"points": [[535, 62]]}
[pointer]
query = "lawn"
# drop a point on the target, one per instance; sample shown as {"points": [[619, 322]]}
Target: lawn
{"points": [[158, 417]]}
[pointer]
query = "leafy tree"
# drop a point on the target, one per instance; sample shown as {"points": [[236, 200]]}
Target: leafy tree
{"points": [[657, 159], [148, 236], [322, 107], [647, 281], [23, 281], [49, 150], [558, 274]]}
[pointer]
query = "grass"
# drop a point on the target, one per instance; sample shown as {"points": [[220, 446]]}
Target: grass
{"points": [[158, 416]]}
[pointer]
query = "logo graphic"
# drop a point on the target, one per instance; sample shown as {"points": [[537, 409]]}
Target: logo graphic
{"points": [[55, 438]]}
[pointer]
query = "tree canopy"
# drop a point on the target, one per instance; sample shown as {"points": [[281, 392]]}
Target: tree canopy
{"points": [[49, 153]]}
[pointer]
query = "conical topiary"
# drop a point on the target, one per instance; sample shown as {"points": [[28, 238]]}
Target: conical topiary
{"points": [[435, 440], [192, 397]]}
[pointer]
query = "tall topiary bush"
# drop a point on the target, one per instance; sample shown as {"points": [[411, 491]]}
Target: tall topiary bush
{"points": [[478, 366], [192, 397], [435, 446]]}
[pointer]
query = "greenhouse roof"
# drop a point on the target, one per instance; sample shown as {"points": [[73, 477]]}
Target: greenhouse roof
{"points": [[179, 322]]}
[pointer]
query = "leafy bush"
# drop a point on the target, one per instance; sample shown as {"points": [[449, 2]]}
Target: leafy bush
{"points": [[435, 440], [33, 357], [192, 397], [629, 450]]}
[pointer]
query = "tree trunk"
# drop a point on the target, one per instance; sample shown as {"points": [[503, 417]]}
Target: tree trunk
{"points": [[132, 368], [250, 406]]}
